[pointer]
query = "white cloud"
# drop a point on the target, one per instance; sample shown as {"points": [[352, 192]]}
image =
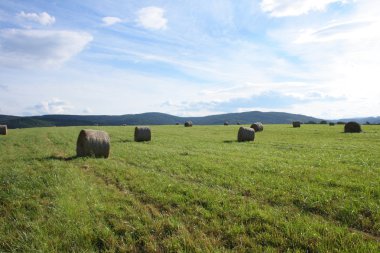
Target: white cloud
{"points": [[152, 18], [284, 8], [53, 106], [348, 30], [42, 18], [87, 110], [108, 21], [36, 48], [342, 56]]}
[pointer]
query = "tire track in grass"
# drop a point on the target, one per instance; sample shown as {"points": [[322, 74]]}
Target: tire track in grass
{"points": [[157, 214], [175, 210], [116, 184], [184, 181], [237, 192]]}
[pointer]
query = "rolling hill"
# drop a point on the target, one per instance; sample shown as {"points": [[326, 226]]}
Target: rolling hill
{"points": [[152, 118]]}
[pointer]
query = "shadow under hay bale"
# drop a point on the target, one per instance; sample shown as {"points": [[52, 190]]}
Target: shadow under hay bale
{"points": [[246, 134], [142, 133], [258, 126], [188, 124], [296, 124], [93, 143], [352, 127], [3, 130]]}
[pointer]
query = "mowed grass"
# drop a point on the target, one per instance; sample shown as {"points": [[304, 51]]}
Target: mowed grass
{"points": [[194, 189]]}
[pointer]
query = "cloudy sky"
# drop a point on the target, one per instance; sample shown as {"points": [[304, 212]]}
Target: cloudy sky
{"points": [[190, 58]]}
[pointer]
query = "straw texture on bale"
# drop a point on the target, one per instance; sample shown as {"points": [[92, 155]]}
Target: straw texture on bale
{"points": [[3, 130], [188, 124], [296, 124], [93, 143], [352, 127], [142, 133], [246, 134], [258, 126]]}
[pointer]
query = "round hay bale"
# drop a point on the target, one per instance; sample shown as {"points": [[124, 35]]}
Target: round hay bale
{"points": [[331, 124], [246, 134], [226, 123], [3, 129], [296, 124], [142, 133], [258, 126], [352, 127], [93, 143], [188, 124]]}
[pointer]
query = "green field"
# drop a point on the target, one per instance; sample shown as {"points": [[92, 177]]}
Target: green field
{"points": [[195, 189]]}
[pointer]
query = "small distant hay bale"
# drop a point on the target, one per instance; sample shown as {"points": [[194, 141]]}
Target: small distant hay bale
{"points": [[296, 124], [142, 133], [352, 127], [226, 123], [246, 134], [331, 124], [188, 124], [3, 129], [258, 126], [93, 143]]}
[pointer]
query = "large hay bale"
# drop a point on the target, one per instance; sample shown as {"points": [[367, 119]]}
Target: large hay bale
{"points": [[142, 133], [296, 124], [246, 134], [188, 124], [3, 129], [258, 126], [93, 143], [352, 127]]}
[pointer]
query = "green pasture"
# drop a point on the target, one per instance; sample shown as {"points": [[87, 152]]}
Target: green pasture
{"points": [[192, 189]]}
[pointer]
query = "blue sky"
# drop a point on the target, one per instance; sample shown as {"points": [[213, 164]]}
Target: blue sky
{"points": [[190, 58]]}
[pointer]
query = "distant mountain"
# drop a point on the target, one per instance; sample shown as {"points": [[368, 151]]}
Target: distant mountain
{"points": [[152, 118], [371, 120]]}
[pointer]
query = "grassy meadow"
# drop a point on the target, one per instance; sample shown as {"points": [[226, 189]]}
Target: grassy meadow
{"points": [[194, 189]]}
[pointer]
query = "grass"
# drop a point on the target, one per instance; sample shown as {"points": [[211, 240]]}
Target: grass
{"points": [[195, 189]]}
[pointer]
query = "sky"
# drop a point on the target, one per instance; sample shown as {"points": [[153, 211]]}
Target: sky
{"points": [[190, 58]]}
